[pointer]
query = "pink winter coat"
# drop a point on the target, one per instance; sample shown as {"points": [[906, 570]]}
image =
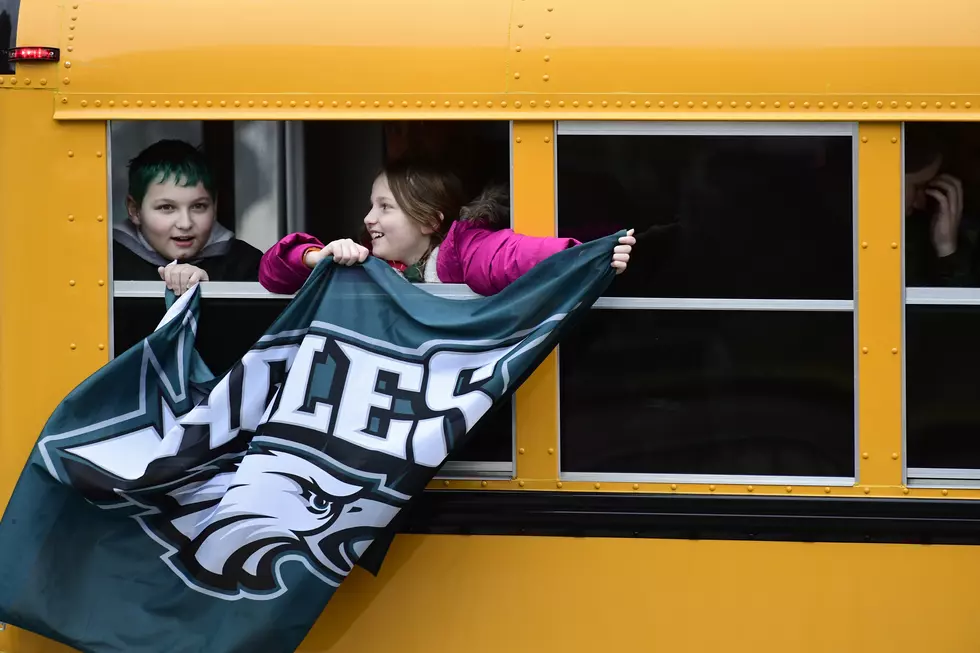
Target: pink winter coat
{"points": [[486, 260]]}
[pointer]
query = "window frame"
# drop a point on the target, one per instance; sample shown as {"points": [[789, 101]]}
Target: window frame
{"points": [[291, 168], [748, 129]]}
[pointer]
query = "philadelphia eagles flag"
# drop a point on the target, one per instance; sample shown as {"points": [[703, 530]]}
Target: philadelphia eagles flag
{"points": [[164, 510]]}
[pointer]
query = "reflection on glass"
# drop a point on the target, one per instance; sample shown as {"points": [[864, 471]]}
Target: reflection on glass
{"points": [[728, 217], [708, 392], [942, 395]]}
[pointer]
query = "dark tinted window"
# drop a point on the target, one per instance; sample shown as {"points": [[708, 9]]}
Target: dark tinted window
{"points": [[709, 392], [729, 216], [9, 9]]}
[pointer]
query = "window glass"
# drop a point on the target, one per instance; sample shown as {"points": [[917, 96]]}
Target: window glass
{"points": [[941, 386], [709, 392], [724, 216], [9, 10], [728, 346]]}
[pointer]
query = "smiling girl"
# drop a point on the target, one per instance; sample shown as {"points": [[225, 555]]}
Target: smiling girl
{"points": [[413, 225], [172, 233]]}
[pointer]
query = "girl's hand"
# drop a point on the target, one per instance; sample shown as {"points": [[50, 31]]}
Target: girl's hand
{"points": [[344, 252], [181, 277], [621, 253]]}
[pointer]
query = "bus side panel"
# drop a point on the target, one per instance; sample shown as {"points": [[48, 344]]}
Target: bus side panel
{"points": [[54, 308], [496, 593]]}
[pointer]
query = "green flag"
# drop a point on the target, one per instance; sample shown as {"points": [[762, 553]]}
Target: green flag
{"points": [[164, 510]]}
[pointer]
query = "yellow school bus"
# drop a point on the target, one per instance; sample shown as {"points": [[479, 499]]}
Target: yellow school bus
{"points": [[765, 438]]}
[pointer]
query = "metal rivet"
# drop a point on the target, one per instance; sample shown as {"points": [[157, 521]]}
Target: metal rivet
{"points": [[545, 77], [432, 103], [864, 350], [806, 105], [70, 154], [517, 104], [924, 105], [604, 103], [719, 104], [265, 103], [894, 245], [734, 104], [551, 451], [750, 488], [533, 104], [521, 483], [445, 483], [99, 218], [126, 103], [521, 450], [101, 346], [166, 103], [864, 105], [251, 103], [518, 48], [489, 104], [939, 105], [101, 282], [945, 492], [632, 103], [518, 139], [306, 103], [597, 486], [238, 103], [71, 37], [820, 105], [867, 490], [362, 104], [71, 282], [762, 104], [968, 105], [319, 104], [894, 456], [748, 105], [673, 486], [865, 454], [98, 154], [547, 58], [334, 104], [908, 105], [547, 139], [180, 103], [647, 104], [27, 81], [894, 350], [551, 8], [894, 104], [827, 490], [558, 485], [517, 75], [153, 103], [71, 218], [589, 103], [67, 64], [74, 17], [447, 104], [879, 104], [952, 105], [84, 103], [418, 103], [905, 490], [789, 488], [636, 486], [864, 245], [777, 104], [690, 105], [835, 104], [483, 484], [792, 105], [520, 25], [347, 104], [72, 345], [711, 488], [547, 36], [71, 27], [677, 104], [547, 103]]}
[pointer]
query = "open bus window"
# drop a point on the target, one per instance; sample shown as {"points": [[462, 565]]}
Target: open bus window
{"points": [[274, 178], [942, 300], [728, 347]]}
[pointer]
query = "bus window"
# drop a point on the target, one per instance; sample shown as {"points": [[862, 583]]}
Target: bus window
{"points": [[942, 300], [9, 9], [728, 347], [273, 178]]}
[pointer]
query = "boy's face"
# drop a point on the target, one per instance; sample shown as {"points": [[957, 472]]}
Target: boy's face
{"points": [[176, 220]]}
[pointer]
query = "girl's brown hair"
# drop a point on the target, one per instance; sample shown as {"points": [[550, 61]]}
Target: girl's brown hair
{"points": [[424, 191]]}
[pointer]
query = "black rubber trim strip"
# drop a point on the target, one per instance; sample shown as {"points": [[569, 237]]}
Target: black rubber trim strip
{"points": [[793, 519]]}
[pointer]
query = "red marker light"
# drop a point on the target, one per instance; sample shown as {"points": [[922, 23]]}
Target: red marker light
{"points": [[15, 55]]}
